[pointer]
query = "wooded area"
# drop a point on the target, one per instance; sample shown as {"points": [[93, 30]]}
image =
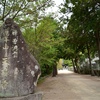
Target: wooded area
{"points": [[74, 38]]}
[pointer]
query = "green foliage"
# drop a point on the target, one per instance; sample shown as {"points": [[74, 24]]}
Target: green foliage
{"points": [[47, 39], [69, 62], [42, 33], [83, 34], [20, 10], [43, 42]]}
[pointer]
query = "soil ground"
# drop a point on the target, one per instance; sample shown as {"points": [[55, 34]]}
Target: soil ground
{"points": [[70, 86]]}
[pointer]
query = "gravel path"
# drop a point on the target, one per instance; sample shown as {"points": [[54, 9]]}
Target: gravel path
{"points": [[70, 86]]}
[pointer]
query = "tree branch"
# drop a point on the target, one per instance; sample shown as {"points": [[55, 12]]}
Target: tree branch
{"points": [[9, 10], [20, 9], [4, 6]]}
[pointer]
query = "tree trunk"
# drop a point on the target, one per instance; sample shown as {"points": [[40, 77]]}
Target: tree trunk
{"points": [[88, 49], [97, 35], [74, 66], [54, 73]]}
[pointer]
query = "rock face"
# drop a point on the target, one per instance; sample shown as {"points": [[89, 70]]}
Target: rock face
{"points": [[19, 70], [35, 96]]}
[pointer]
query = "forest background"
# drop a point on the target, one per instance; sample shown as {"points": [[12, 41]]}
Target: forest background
{"points": [[50, 37]]}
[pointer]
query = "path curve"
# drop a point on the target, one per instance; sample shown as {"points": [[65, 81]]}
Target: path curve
{"points": [[70, 86]]}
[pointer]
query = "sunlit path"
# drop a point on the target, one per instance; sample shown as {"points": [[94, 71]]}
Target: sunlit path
{"points": [[70, 86], [64, 71]]}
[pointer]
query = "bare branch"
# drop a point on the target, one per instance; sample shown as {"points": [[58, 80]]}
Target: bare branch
{"points": [[9, 10], [4, 6], [20, 9]]}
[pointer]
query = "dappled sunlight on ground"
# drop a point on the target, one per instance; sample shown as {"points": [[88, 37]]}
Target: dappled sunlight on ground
{"points": [[64, 71]]}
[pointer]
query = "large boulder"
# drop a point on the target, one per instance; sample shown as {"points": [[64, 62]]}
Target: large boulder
{"points": [[19, 70]]}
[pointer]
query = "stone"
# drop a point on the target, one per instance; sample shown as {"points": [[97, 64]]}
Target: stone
{"points": [[19, 70], [35, 96]]}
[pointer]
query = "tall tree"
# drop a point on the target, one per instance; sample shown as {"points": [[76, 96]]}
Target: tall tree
{"points": [[44, 43], [84, 22]]}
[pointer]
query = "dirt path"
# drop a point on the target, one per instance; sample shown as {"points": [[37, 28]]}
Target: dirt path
{"points": [[70, 86]]}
